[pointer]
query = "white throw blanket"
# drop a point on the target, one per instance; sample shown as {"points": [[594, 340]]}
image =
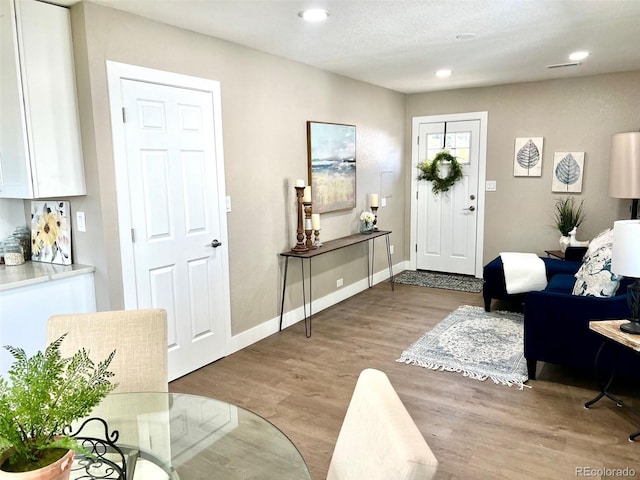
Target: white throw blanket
{"points": [[523, 272]]}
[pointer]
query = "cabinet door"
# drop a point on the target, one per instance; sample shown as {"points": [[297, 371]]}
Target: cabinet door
{"points": [[52, 160], [15, 169]]}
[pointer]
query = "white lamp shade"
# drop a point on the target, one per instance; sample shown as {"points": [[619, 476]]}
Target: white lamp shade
{"points": [[624, 166], [625, 256]]}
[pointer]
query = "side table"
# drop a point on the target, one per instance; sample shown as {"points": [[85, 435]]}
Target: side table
{"points": [[610, 331]]}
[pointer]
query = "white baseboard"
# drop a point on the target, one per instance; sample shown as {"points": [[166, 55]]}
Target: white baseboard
{"points": [[257, 333]]}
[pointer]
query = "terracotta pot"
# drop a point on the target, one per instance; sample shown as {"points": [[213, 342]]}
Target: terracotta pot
{"points": [[59, 470]]}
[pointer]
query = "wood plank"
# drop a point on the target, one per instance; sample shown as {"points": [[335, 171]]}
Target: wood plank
{"points": [[477, 430], [611, 330]]}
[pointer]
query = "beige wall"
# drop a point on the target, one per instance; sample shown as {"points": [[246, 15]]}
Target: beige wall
{"points": [[577, 114], [266, 102]]}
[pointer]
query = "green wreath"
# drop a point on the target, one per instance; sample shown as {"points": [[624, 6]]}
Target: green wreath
{"points": [[430, 171]]}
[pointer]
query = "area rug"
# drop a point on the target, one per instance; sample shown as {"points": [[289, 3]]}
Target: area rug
{"points": [[448, 281], [476, 343]]}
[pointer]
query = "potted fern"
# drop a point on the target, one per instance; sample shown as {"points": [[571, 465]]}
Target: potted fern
{"points": [[44, 394]]}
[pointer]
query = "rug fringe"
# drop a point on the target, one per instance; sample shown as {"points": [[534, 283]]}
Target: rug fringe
{"points": [[465, 373]]}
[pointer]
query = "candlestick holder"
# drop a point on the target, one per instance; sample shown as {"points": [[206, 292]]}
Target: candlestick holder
{"points": [[300, 247], [308, 229], [317, 243], [375, 217]]}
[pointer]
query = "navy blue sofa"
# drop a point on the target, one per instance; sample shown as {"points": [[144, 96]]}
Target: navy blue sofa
{"points": [[556, 329]]}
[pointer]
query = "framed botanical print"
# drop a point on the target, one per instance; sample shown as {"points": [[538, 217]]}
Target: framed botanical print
{"points": [[568, 171], [331, 149], [527, 158]]}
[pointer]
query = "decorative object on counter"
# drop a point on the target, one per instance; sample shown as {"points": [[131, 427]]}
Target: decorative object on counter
{"points": [[430, 171], [625, 260], [574, 242], [300, 245], [331, 153], [367, 219], [315, 225], [13, 252], [373, 203], [624, 181], [527, 160], [567, 217], [65, 388], [568, 168], [50, 232], [308, 225]]}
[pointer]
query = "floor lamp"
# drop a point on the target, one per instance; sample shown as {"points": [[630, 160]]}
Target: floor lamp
{"points": [[625, 260], [624, 168]]}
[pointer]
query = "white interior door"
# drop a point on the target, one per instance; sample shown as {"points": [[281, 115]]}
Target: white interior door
{"points": [[447, 222], [176, 216]]}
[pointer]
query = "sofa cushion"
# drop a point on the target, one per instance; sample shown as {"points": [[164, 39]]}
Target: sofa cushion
{"points": [[561, 283], [594, 278]]}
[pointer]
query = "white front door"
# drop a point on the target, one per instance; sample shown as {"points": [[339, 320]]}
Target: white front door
{"points": [[447, 221], [172, 166]]}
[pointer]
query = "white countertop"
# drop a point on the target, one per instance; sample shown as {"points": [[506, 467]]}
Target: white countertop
{"points": [[31, 273]]}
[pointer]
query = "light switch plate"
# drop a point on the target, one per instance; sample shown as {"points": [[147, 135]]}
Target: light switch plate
{"points": [[490, 186], [82, 227]]}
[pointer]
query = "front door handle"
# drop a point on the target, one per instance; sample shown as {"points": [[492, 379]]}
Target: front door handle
{"points": [[471, 208], [215, 244]]}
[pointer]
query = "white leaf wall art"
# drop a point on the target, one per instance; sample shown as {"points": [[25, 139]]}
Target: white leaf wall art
{"points": [[527, 160], [568, 171]]}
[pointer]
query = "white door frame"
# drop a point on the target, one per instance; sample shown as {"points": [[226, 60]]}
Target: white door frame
{"points": [[117, 71], [483, 117]]}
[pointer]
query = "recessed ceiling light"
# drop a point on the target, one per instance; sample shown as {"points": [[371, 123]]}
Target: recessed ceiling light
{"points": [[577, 56], [465, 36], [444, 73], [314, 15]]}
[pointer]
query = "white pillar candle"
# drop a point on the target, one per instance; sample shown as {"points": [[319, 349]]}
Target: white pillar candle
{"points": [[307, 195], [299, 183], [373, 200], [315, 221], [307, 224]]}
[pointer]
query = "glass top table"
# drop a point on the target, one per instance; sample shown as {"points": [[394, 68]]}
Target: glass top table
{"points": [[189, 437]]}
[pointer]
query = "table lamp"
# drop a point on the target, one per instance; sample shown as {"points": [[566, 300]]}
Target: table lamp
{"points": [[625, 260], [624, 168]]}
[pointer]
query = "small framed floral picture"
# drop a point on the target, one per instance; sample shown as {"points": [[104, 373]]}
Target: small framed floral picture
{"points": [[527, 158], [50, 232], [568, 171]]}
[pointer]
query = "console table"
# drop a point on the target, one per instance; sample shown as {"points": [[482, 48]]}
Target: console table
{"points": [[332, 246], [610, 331]]}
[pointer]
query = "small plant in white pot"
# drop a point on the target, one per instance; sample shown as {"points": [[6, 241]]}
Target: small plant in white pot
{"points": [[45, 393]]}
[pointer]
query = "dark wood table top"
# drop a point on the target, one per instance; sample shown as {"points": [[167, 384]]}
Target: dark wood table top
{"points": [[337, 244]]}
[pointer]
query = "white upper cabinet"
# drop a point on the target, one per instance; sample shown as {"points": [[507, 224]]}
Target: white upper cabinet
{"points": [[40, 149]]}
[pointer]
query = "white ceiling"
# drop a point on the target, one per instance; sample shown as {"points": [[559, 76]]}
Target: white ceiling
{"points": [[399, 44]]}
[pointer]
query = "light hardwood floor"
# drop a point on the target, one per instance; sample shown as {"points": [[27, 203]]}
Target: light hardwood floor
{"points": [[477, 430]]}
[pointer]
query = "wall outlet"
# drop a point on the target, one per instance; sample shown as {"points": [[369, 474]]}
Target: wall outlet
{"points": [[339, 283], [383, 202], [391, 249]]}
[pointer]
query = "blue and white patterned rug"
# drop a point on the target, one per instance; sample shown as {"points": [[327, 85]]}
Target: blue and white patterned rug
{"points": [[476, 343]]}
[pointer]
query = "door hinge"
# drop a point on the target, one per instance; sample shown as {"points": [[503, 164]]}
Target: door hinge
{"points": [[133, 235], [416, 195], [124, 116], [416, 248], [418, 140]]}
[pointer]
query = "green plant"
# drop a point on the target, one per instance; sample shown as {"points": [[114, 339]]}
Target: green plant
{"points": [[430, 171], [568, 215], [47, 392]]}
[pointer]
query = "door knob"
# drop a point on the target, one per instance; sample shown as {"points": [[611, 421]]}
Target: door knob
{"points": [[471, 208], [215, 244]]}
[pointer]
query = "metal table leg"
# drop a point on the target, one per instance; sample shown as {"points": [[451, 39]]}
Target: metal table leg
{"points": [[284, 289], [386, 238], [604, 390]]}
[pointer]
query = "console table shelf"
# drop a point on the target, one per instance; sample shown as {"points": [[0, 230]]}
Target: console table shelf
{"points": [[332, 246]]}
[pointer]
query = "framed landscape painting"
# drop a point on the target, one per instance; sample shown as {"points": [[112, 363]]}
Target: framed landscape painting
{"points": [[331, 149]]}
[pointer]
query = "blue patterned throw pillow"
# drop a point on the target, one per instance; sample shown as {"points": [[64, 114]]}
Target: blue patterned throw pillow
{"points": [[595, 278]]}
